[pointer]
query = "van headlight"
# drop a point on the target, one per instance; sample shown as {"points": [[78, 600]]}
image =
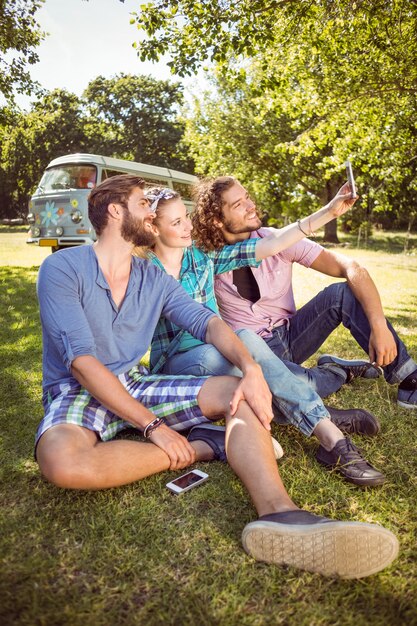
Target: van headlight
{"points": [[36, 232], [31, 218], [59, 231], [76, 216]]}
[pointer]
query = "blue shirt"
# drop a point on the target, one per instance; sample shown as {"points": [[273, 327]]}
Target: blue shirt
{"points": [[79, 317], [197, 277]]}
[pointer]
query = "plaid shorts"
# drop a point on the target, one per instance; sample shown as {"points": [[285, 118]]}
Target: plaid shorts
{"points": [[171, 397]]}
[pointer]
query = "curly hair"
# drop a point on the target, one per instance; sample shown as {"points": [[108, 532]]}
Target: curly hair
{"points": [[207, 195]]}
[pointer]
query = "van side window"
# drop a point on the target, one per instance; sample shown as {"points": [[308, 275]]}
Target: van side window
{"points": [[154, 182], [109, 173], [150, 182], [184, 189]]}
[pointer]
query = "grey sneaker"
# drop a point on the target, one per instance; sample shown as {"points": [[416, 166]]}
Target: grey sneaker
{"points": [[214, 436], [318, 544], [348, 460], [353, 369]]}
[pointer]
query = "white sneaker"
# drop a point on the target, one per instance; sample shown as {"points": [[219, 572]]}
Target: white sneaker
{"points": [[278, 451]]}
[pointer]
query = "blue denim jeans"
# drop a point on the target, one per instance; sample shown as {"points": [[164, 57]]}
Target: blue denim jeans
{"points": [[294, 401], [314, 322]]}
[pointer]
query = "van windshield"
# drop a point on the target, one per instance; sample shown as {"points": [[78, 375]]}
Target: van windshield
{"points": [[68, 177]]}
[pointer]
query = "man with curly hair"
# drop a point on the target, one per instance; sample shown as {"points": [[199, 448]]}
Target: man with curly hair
{"points": [[262, 298]]}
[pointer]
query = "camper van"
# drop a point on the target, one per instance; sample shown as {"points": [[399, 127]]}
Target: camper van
{"points": [[58, 210]]}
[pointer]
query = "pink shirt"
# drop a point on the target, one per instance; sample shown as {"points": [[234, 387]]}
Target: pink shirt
{"points": [[274, 278]]}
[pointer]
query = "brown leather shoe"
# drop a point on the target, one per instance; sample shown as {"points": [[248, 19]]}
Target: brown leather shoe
{"points": [[354, 421], [348, 460]]}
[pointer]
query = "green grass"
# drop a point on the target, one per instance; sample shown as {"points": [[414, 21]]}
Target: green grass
{"points": [[139, 555]]}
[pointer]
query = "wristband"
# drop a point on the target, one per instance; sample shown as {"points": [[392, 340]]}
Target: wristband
{"points": [[149, 428]]}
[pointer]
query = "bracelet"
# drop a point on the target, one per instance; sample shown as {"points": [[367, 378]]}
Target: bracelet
{"points": [[312, 233], [303, 231], [149, 428]]}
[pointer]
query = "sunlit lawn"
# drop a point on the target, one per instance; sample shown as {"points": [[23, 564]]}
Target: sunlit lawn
{"points": [[139, 555]]}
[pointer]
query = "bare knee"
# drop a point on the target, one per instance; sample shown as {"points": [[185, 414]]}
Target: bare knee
{"points": [[61, 456], [64, 470], [215, 395], [57, 471]]}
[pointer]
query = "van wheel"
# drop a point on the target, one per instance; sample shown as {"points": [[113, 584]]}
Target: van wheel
{"points": [[55, 249]]}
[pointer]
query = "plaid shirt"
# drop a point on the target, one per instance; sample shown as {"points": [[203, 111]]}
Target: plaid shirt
{"points": [[197, 277]]}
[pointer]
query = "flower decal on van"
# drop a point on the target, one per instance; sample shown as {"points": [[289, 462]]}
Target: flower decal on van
{"points": [[50, 214], [74, 203]]}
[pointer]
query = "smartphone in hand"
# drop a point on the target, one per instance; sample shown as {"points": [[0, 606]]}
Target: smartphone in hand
{"points": [[187, 481], [350, 178]]}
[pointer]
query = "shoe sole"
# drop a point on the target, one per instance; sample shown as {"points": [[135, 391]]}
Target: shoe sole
{"points": [[339, 549], [361, 482], [406, 405]]}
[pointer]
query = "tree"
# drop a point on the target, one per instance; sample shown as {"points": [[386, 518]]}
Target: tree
{"points": [[192, 32], [137, 117], [343, 74], [19, 35], [242, 130], [53, 127], [289, 144]]}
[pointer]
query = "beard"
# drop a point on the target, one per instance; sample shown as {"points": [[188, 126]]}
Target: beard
{"points": [[231, 226], [133, 231]]}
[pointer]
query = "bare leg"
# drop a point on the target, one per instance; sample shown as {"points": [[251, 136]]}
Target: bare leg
{"points": [[328, 433], [284, 534], [248, 446], [72, 457]]}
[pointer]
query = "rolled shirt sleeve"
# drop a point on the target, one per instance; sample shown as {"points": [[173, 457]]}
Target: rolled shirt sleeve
{"points": [[66, 330]]}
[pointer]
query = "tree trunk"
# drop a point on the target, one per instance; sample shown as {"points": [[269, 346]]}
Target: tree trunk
{"points": [[407, 236], [330, 229], [330, 232]]}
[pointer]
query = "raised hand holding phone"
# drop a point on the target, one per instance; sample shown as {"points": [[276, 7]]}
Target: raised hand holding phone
{"points": [[350, 178]]}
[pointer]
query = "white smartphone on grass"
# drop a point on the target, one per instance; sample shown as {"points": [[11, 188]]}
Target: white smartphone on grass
{"points": [[187, 481], [350, 178]]}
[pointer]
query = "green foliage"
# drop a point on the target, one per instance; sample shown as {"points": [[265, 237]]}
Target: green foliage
{"points": [[136, 117], [131, 117], [192, 32], [53, 127], [320, 82], [19, 35]]}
